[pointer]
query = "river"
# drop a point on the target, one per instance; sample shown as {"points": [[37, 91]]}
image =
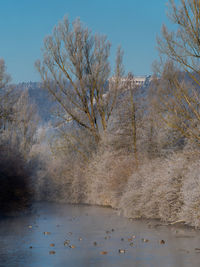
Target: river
{"points": [[60, 235]]}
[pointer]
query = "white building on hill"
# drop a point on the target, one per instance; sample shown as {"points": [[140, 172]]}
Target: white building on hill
{"points": [[136, 80]]}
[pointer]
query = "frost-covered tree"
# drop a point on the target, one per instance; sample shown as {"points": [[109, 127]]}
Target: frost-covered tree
{"points": [[75, 69]]}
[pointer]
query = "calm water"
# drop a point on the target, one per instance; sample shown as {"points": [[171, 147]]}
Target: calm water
{"points": [[24, 244]]}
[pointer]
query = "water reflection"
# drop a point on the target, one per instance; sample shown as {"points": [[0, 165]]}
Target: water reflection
{"points": [[24, 244]]}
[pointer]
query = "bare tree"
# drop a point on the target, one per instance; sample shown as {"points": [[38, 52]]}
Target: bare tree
{"points": [[183, 46], [132, 87], [6, 102], [18, 117], [180, 94], [75, 69], [126, 118], [25, 123], [4, 77]]}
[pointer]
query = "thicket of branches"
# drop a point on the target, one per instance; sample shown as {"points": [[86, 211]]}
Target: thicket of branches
{"points": [[18, 125], [15, 185]]}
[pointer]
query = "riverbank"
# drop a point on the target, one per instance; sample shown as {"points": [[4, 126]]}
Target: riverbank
{"points": [[163, 188]]}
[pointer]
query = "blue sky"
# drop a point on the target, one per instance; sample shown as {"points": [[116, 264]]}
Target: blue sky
{"points": [[133, 24]]}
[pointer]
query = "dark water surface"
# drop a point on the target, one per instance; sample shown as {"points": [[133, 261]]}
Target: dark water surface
{"points": [[24, 244]]}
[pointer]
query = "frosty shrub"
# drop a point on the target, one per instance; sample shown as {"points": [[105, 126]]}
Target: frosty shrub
{"points": [[107, 175], [166, 189]]}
